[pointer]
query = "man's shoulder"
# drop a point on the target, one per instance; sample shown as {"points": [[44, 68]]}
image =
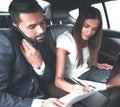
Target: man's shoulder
{"points": [[7, 35], [6, 31]]}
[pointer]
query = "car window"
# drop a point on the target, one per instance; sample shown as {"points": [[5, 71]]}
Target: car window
{"points": [[113, 8], [74, 13], [4, 5]]}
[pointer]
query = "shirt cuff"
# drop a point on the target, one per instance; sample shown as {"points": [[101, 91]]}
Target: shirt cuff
{"points": [[37, 103], [41, 70]]}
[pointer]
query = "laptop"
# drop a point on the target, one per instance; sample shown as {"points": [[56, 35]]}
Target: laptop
{"points": [[101, 84]]}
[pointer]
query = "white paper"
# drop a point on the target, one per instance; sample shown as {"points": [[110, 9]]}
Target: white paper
{"points": [[72, 98], [97, 85]]}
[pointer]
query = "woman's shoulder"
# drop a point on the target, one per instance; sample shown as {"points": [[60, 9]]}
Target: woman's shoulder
{"points": [[65, 36], [65, 41]]}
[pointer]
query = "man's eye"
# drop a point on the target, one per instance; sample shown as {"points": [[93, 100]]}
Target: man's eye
{"points": [[32, 27]]}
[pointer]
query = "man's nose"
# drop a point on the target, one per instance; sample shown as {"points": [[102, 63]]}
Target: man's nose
{"points": [[40, 29]]}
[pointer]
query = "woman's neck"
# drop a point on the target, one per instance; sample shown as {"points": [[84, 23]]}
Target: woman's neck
{"points": [[84, 44]]}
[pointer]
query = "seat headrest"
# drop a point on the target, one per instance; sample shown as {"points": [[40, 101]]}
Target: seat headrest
{"points": [[56, 14]]}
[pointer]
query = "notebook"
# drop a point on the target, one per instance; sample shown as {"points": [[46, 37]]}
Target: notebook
{"points": [[100, 85]]}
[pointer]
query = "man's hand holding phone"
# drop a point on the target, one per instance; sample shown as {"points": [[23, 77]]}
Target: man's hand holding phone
{"points": [[32, 55]]}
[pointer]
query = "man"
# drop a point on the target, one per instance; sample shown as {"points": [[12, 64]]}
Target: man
{"points": [[23, 64]]}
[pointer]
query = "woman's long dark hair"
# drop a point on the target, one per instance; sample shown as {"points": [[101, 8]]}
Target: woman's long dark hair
{"points": [[94, 42]]}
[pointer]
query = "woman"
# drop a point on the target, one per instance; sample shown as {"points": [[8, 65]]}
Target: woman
{"points": [[77, 51]]}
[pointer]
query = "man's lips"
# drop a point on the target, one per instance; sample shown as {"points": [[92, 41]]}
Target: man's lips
{"points": [[39, 37]]}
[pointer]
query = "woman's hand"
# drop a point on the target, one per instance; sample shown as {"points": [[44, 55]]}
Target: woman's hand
{"points": [[104, 66], [77, 88]]}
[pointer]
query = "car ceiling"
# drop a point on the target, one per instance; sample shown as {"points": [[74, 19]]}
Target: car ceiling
{"points": [[71, 4]]}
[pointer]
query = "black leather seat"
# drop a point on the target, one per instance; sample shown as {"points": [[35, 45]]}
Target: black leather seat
{"points": [[58, 17], [55, 20], [5, 20]]}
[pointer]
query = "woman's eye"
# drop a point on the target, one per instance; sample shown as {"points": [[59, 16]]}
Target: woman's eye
{"points": [[86, 26], [95, 29]]}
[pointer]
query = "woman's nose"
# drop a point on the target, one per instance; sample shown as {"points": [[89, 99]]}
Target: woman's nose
{"points": [[89, 32]]}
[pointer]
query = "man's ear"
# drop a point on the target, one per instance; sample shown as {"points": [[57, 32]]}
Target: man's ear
{"points": [[14, 24]]}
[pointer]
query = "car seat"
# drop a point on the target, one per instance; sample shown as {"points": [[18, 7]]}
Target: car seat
{"points": [[57, 23]]}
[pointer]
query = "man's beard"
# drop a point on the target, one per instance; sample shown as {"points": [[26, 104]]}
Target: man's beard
{"points": [[37, 42]]}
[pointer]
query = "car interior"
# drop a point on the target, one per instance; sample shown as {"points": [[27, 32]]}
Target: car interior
{"points": [[59, 20]]}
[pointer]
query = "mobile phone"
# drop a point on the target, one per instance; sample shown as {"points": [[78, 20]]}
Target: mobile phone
{"points": [[21, 36]]}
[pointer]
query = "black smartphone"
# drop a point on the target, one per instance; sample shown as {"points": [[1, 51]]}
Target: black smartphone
{"points": [[21, 36]]}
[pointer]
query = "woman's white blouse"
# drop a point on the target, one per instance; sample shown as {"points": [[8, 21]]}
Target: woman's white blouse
{"points": [[66, 41]]}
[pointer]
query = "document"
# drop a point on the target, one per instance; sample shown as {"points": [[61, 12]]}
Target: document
{"points": [[72, 98], [97, 85]]}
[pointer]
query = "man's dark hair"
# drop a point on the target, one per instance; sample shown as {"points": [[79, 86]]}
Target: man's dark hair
{"points": [[22, 6]]}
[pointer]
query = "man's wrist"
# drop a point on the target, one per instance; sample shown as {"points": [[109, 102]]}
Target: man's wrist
{"points": [[37, 103], [41, 70], [42, 103]]}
